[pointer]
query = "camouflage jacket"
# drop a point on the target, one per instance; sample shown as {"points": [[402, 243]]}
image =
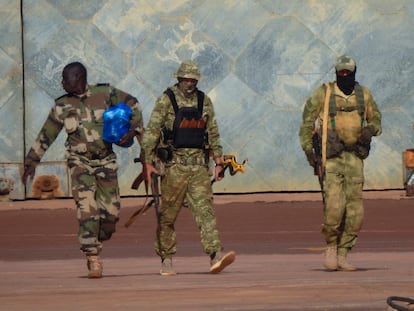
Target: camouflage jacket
{"points": [[163, 115], [347, 121], [82, 118]]}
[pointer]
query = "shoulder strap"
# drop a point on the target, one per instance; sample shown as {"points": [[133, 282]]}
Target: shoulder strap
{"points": [[171, 96], [325, 123], [332, 106], [359, 93], [360, 104], [200, 100]]}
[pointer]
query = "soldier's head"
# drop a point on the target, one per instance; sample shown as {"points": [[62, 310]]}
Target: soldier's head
{"points": [[345, 69], [74, 78], [188, 75]]}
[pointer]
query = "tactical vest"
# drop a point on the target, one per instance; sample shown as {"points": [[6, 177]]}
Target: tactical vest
{"points": [[360, 106], [189, 128]]}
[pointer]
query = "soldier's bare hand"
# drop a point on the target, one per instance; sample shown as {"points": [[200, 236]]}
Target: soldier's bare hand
{"points": [[29, 172]]}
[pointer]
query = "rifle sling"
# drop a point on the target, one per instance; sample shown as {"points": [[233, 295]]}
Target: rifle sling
{"points": [[325, 124]]}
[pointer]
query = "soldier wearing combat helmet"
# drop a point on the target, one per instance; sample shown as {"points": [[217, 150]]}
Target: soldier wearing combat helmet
{"points": [[185, 116], [340, 118], [91, 160]]}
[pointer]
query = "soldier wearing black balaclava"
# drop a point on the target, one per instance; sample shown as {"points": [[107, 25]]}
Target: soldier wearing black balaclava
{"points": [[343, 116]]}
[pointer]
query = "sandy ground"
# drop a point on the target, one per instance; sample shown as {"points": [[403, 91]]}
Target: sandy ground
{"points": [[278, 266]]}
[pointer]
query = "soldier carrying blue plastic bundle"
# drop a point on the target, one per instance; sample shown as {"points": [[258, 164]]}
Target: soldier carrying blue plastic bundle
{"points": [[91, 160]]}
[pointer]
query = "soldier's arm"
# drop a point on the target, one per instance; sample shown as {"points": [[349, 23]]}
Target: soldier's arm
{"points": [[213, 130], [136, 123], [153, 130], [373, 115], [47, 135], [313, 106]]}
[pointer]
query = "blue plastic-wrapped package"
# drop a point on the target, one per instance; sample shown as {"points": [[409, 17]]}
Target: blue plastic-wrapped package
{"points": [[116, 123]]}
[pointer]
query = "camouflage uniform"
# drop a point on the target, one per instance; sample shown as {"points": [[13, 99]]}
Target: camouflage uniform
{"points": [[344, 177], [186, 176], [92, 161]]}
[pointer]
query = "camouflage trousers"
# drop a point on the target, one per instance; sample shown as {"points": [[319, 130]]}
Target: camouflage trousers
{"points": [[343, 211], [189, 183], [96, 193]]}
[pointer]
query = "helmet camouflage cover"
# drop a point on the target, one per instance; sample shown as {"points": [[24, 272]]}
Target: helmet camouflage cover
{"points": [[188, 69], [345, 62]]}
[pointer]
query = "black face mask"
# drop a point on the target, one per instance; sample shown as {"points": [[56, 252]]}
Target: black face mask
{"points": [[346, 84]]}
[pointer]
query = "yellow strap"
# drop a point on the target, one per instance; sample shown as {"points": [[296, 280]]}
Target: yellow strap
{"points": [[325, 124]]}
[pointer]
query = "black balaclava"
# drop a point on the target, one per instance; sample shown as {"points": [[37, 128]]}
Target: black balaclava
{"points": [[346, 84]]}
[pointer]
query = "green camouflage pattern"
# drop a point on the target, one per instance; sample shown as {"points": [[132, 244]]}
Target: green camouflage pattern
{"points": [[192, 184], [186, 176], [189, 70], [345, 62], [95, 191], [344, 177], [91, 161], [163, 115], [82, 119], [348, 124], [343, 211]]}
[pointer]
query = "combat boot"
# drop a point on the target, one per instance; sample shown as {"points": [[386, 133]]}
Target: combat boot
{"points": [[94, 264], [331, 258], [219, 261], [344, 265], [167, 267]]}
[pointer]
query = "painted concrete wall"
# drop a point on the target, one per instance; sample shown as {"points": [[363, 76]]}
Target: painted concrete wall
{"points": [[260, 60]]}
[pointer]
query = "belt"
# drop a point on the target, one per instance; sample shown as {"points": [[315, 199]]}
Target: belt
{"points": [[96, 156], [188, 161]]}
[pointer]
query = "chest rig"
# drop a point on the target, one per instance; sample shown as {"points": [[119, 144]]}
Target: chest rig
{"points": [[360, 106], [189, 128]]}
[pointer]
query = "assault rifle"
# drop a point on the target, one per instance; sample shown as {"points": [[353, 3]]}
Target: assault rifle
{"points": [[318, 169], [155, 191], [229, 162]]}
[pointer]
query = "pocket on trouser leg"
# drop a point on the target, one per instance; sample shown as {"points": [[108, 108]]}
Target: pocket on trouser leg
{"points": [[107, 227]]}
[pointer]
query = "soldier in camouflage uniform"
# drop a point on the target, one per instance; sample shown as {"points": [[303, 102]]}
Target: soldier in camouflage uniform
{"points": [[186, 175], [353, 118], [91, 160]]}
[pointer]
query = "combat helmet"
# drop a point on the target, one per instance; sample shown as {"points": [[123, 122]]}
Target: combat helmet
{"points": [[188, 69], [345, 62]]}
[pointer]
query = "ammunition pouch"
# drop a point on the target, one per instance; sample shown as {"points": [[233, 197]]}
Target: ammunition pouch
{"points": [[360, 150], [189, 129], [164, 153], [334, 146]]}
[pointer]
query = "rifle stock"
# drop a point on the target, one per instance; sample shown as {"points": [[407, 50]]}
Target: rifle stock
{"points": [[154, 201], [155, 194]]}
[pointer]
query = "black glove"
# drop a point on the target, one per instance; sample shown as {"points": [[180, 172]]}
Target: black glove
{"points": [[366, 135], [361, 151], [312, 158], [334, 146], [127, 140]]}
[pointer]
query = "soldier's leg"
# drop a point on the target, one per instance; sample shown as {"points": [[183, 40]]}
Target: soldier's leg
{"points": [[334, 208], [333, 211], [107, 198], [200, 201], [354, 211], [173, 188], [83, 191]]}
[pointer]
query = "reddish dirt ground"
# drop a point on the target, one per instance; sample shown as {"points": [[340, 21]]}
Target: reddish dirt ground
{"points": [[278, 267]]}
